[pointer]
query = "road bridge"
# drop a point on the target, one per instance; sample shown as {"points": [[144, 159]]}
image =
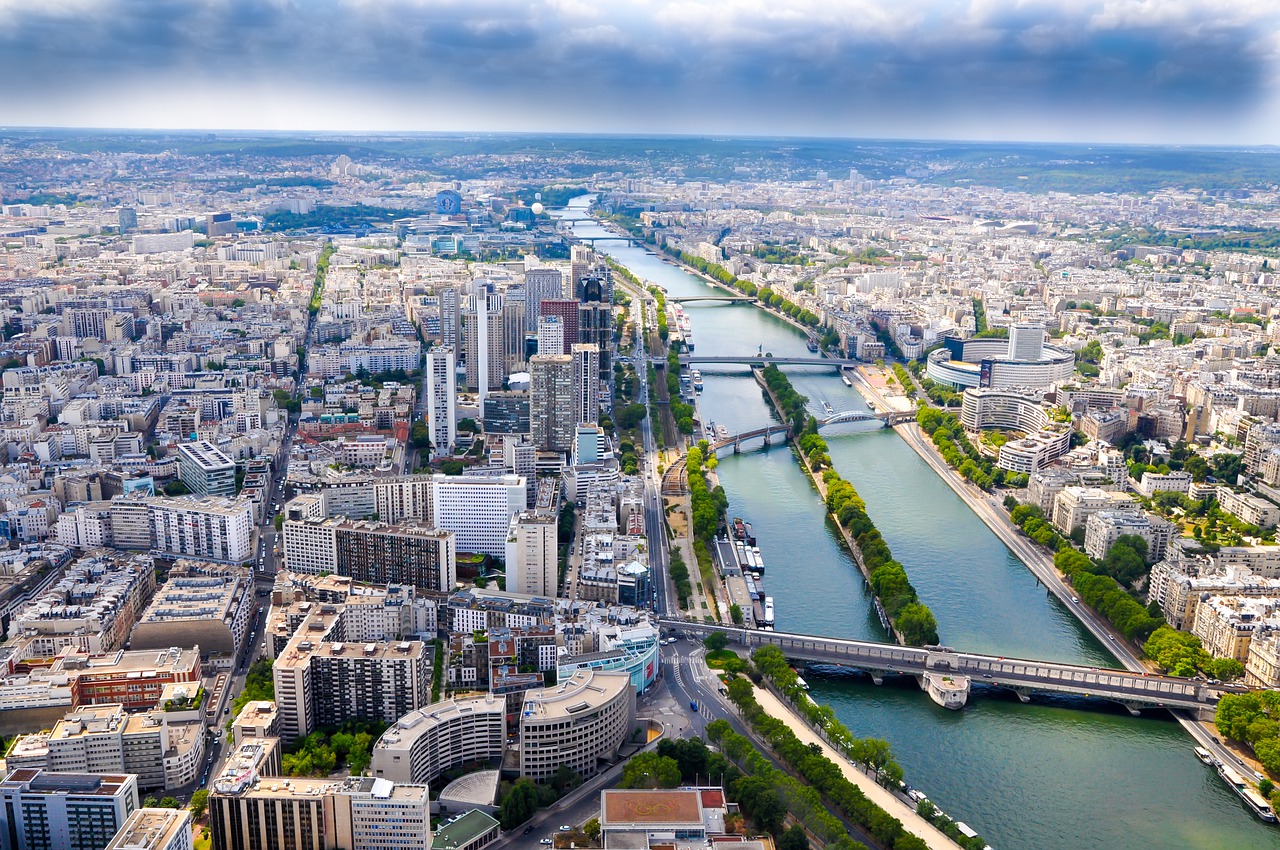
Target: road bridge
{"points": [[727, 299], [765, 359], [592, 240], [1135, 691]]}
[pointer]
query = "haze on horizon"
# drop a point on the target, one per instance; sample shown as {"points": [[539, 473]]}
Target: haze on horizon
{"points": [[1148, 71]]}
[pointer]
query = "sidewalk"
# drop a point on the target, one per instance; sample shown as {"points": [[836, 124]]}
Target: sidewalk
{"points": [[930, 834]]}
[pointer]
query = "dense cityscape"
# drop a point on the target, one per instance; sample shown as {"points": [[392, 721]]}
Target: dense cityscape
{"points": [[447, 492]]}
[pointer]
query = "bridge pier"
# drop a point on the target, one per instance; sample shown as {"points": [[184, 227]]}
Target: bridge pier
{"points": [[877, 676], [1133, 708], [1024, 694], [737, 446]]}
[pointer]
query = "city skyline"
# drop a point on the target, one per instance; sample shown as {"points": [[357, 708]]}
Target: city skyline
{"points": [[1126, 72]]}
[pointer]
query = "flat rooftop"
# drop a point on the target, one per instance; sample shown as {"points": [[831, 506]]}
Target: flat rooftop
{"points": [[622, 808], [463, 831]]}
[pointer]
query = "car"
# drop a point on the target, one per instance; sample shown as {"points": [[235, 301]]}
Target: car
{"points": [[1075, 600], [1111, 638], [693, 704], [986, 675], [565, 828], [545, 841], [528, 829]]}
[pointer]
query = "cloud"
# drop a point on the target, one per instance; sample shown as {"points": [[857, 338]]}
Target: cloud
{"points": [[1101, 69]]}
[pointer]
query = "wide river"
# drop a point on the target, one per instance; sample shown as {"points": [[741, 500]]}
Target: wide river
{"points": [[1055, 774]]}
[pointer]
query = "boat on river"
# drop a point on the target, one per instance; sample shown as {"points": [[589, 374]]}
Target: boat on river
{"points": [[844, 376], [1205, 756], [1246, 792]]}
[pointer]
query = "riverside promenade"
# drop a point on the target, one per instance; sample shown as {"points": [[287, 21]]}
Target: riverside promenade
{"points": [[875, 792]]}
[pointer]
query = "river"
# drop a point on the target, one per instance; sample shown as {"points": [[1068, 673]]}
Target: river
{"points": [[1055, 774]]}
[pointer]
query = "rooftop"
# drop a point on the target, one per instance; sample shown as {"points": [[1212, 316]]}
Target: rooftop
{"points": [[463, 831], [659, 807]]}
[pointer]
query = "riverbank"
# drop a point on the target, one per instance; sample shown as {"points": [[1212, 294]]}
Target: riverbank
{"points": [[703, 276], [876, 793]]}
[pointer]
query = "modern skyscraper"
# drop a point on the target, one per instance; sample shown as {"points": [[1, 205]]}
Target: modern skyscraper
{"points": [[514, 330], [580, 257], [442, 399], [482, 333], [551, 401], [586, 383], [595, 326]]}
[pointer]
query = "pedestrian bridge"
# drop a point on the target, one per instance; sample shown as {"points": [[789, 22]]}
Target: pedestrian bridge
{"points": [[1135, 691]]}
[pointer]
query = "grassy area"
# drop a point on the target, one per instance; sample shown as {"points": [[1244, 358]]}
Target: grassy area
{"points": [[716, 658], [203, 840]]}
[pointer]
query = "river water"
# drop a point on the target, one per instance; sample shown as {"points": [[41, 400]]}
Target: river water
{"points": [[1055, 774]]}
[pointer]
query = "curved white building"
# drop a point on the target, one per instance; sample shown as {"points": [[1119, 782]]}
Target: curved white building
{"points": [[425, 743], [581, 722], [1016, 409], [1022, 360]]}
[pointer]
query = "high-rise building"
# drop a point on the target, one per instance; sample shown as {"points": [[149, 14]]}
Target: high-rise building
{"points": [[532, 554], [40, 810], [598, 707], [403, 497], [442, 399], [586, 382], [567, 312], [514, 329], [551, 335], [209, 528], [482, 335], [128, 220], [580, 257], [330, 682], [595, 326], [1026, 341], [478, 509], [506, 413], [410, 552], [552, 414], [450, 318], [540, 285], [205, 470]]}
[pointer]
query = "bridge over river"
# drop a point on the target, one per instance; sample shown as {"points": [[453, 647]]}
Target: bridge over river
{"points": [[1135, 691]]}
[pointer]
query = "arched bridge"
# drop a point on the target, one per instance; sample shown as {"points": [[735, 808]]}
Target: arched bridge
{"points": [[890, 417], [727, 299], [1134, 691]]}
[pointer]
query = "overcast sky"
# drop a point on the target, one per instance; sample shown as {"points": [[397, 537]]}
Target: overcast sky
{"points": [[1089, 70]]}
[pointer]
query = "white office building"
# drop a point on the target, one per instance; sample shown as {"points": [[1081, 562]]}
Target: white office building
{"points": [[205, 470], [478, 510]]}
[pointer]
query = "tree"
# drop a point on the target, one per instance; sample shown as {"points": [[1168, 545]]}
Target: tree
{"points": [[591, 829], [169, 803], [199, 803], [519, 804], [735, 614], [715, 641], [650, 770], [794, 839]]}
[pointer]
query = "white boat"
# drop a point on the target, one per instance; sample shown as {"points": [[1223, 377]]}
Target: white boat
{"points": [[947, 690], [768, 612], [1204, 755], [697, 379], [1259, 806], [844, 376]]}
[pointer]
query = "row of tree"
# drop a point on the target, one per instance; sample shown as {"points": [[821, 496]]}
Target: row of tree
{"points": [[888, 578], [826, 793], [1254, 719], [763, 293], [948, 437], [791, 404]]}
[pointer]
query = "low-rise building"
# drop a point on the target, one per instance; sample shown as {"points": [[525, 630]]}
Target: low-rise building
{"points": [[1248, 509], [1073, 505], [211, 605], [155, 829], [1104, 528]]}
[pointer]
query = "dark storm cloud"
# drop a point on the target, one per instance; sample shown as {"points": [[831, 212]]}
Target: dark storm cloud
{"points": [[857, 66]]}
